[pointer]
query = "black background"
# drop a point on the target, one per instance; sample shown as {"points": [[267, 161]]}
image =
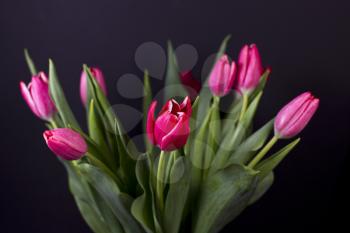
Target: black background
{"points": [[305, 42]]}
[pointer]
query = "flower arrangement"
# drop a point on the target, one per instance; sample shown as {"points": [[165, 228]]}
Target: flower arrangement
{"points": [[201, 167]]}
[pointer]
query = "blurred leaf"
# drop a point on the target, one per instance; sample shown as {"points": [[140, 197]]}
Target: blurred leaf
{"points": [[147, 99], [59, 98], [119, 202], [267, 165], [173, 86], [251, 110], [262, 188], [176, 199], [142, 206], [254, 142], [224, 196], [189, 145], [30, 63]]}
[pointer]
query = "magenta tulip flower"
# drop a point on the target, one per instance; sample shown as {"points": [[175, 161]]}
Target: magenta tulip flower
{"points": [[36, 94], [172, 127], [66, 143], [293, 117], [222, 77], [98, 75], [191, 84], [250, 69]]}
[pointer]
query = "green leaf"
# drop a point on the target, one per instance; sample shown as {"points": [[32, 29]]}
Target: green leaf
{"points": [[251, 110], [59, 98], [224, 196], [254, 142], [142, 206], [205, 94], [173, 86], [30, 63], [189, 145], [268, 164], [119, 202], [261, 86], [262, 188], [176, 199], [147, 99]]}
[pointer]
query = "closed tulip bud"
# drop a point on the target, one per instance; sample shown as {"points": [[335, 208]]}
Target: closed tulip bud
{"points": [[98, 75], [191, 84], [36, 94], [250, 68], [293, 117], [66, 143], [171, 128], [222, 77]]}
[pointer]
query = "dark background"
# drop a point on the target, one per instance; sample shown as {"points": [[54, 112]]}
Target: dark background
{"points": [[305, 42]]}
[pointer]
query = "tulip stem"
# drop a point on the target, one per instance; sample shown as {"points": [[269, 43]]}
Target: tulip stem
{"points": [[244, 106], [160, 179], [53, 124], [262, 153]]}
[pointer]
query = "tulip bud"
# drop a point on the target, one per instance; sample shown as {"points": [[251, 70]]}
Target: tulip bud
{"points": [[66, 143], [222, 77], [191, 84], [37, 96], [250, 68], [293, 117], [98, 75], [171, 128]]}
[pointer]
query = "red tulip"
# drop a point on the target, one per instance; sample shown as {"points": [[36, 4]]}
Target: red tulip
{"points": [[222, 77], [293, 117], [66, 143], [191, 84], [250, 68], [171, 128], [98, 75], [37, 96]]}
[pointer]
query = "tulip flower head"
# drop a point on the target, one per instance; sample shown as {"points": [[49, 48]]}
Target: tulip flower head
{"points": [[36, 94], [250, 69], [171, 128], [222, 77], [293, 117], [98, 75], [191, 84], [66, 143]]}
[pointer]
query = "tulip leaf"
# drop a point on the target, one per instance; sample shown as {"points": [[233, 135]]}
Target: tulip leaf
{"points": [[223, 197], [30, 63], [173, 86], [261, 85], [177, 195], [262, 187], [59, 98], [246, 150], [268, 164], [147, 99], [250, 113], [119, 202], [189, 146], [141, 208], [205, 94]]}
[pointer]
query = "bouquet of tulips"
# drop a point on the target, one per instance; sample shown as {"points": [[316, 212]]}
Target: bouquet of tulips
{"points": [[201, 167]]}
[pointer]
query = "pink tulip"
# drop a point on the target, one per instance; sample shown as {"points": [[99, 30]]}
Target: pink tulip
{"points": [[98, 75], [250, 68], [293, 117], [222, 77], [37, 96], [66, 143], [191, 84], [171, 128]]}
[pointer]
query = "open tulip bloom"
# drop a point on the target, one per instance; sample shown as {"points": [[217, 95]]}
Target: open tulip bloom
{"points": [[201, 167]]}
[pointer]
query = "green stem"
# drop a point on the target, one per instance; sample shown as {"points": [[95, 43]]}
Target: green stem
{"points": [[244, 106], [160, 178], [53, 123], [104, 168], [263, 151]]}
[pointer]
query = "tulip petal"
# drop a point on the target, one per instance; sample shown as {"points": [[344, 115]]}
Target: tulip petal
{"points": [[163, 125], [28, 98], [150, 123], [177, 137], [186, 107]]}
